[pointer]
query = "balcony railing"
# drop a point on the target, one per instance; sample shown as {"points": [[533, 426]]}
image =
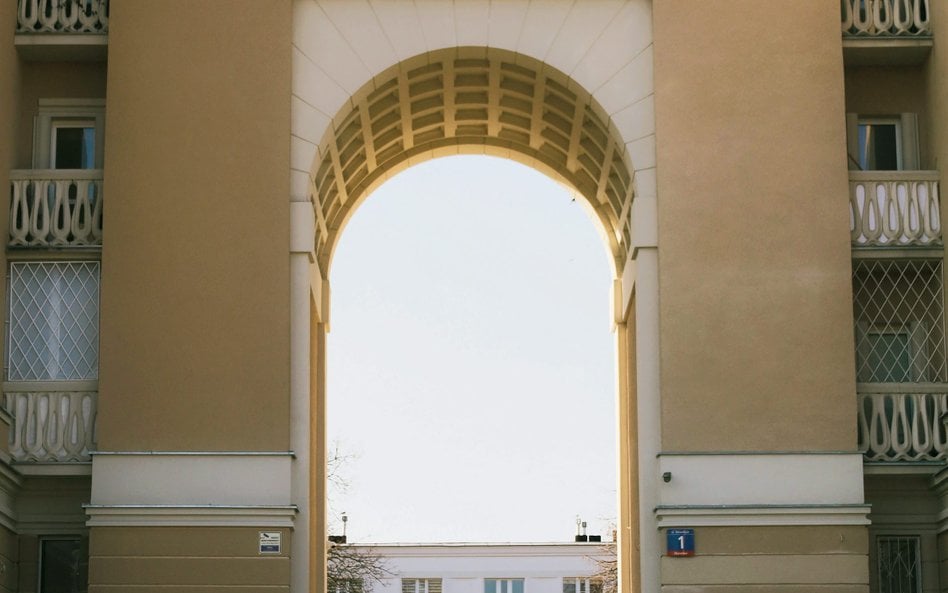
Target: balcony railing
{"points": [[51, 426], [886, 18], [903, 421], [62, 16], [894, 208], [56, 208]]}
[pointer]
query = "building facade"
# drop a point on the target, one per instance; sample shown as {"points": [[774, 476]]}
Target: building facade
{"points": [[487, 568], [766, 177]]}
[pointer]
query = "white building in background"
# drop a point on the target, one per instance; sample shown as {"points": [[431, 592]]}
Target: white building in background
{"points": [[491, 568]]}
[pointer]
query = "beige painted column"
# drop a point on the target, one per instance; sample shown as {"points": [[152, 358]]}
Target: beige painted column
{"points": [[302, 256], [195, 352], [758, 415]]}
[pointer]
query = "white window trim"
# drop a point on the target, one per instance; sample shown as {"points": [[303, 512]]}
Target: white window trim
{"points": [[73, 111]]}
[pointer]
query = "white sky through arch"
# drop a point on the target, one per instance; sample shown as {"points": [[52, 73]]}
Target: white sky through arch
{"points": [[471, 362]]}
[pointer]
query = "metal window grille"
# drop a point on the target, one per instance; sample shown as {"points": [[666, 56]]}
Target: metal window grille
{"points": [[899, 313], [421, 585], [53, 321], [900, 567]]}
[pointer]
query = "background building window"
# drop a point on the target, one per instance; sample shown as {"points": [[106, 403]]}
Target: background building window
{"points": [[582, 585], [53, 321], [900, 566], [421, 585], [503, 585], [349, 586]]}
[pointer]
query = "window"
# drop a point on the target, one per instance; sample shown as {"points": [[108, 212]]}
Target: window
{"points": [[53, 321], [68, 134], [63, 566], [72, 145], [882, 143], [879, 144], [899, 564], [899, 321], [421, 585], [503, 585], [347, 586], [582, 585]]}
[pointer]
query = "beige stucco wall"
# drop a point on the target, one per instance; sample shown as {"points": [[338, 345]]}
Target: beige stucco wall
{"points": [[53, 80], [9, 104], [218, 559], [774, 559], [195, 277], [756, 320]]}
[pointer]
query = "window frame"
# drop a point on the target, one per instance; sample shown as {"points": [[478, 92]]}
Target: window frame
{"points": [[510, 588], [425, 581], [906, 138], [54, 113], [42, 540], [916, 538], [880, 121]]}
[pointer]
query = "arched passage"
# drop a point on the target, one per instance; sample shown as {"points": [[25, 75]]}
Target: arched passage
{"points": [[470, 99], [561, 86]]}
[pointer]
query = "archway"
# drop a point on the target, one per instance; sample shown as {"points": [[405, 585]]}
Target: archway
{"points": [[475, 99]]}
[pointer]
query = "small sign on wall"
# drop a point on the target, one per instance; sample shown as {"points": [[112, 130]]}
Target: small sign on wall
{"points": [[271, 542], [680, 542]]}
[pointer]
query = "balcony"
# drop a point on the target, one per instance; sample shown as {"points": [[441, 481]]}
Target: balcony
{"points": [[52, 429], [59, 208], [894, 209], [62, 30], [903, 422], [885, 32]]}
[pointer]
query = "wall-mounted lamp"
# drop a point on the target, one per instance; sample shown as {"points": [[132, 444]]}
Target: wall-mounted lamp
{"points": [[667, 477]]}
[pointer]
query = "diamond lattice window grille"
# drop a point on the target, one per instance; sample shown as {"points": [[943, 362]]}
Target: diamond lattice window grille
{"points": [[900, 565], [53, 321], [899, 313]]}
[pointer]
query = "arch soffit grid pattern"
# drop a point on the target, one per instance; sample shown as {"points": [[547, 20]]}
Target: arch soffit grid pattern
{"points": [[465, 101]]}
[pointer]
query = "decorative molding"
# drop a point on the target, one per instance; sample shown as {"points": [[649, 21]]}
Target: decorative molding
{"points": [[198, 453], [762, 479], [71, 469], [190, 515], [761, 515], [191, 478]]}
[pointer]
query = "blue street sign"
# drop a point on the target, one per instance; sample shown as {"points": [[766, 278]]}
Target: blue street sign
{"points": [[681, 542]]}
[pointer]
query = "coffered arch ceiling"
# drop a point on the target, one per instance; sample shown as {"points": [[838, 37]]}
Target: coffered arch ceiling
{"points": [[472, 100]]}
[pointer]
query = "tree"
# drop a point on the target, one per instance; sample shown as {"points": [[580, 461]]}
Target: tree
{"points": [[353, 570], [348, 569], [608, 572]]}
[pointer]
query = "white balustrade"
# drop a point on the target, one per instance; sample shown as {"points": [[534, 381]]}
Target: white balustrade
{"points": [[63, 16], [51, 426], [894, 208], [880, 18], [52, 208], [903, 422]]}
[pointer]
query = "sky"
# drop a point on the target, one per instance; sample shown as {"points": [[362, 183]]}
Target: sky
{"points": [[470, 360]]}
